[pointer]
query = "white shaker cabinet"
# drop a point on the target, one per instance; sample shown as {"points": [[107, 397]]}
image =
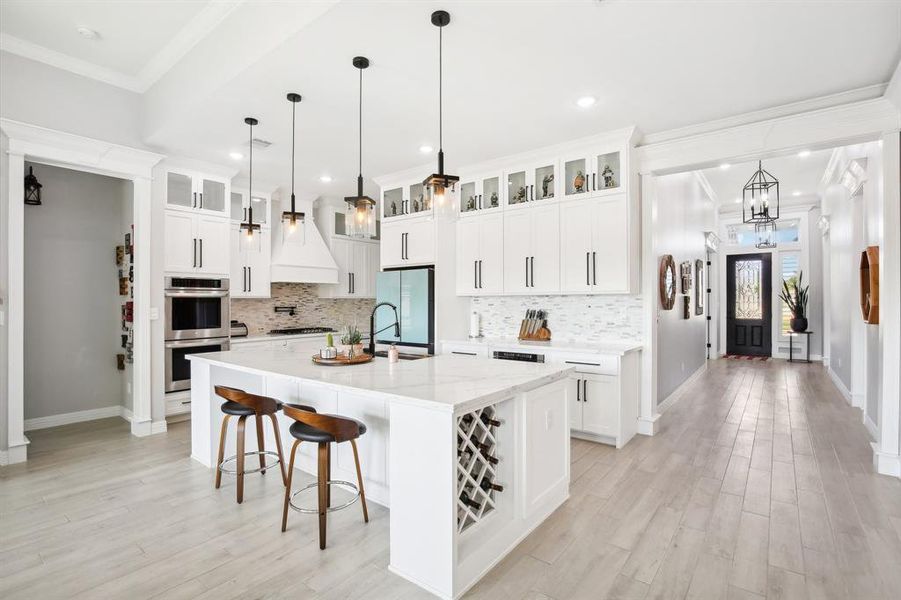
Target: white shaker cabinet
{"points": [[250, 264], [597, 246], [357, 262], [186, 190], [408, 243], [480, 255], [196, 244], [532, 250]]}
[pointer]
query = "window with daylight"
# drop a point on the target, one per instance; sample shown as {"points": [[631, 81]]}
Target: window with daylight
{"points": [[748, 289], [791, 267]]}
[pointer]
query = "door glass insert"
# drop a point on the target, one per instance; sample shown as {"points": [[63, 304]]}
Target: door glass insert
{"points": [[214, 195], [469, 202], [236, 209], [748, 289], [516, 188], [491, 189], [576, 182], [394, 203], [608, 170], [418, 202], [544, 182], [259, 211], [179, 189]]}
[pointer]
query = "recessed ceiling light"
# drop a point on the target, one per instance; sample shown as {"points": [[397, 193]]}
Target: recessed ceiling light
{"points": [[724, 166], [796, 193], [88, 33], [738, 200], [235, 155], [803, 153], [425, 149], [325, 178], [586, 101]]}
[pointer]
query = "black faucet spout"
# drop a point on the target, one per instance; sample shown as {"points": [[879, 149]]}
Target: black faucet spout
{"points": [[372, 330]]}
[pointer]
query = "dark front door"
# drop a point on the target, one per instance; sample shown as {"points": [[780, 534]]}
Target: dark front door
{"points": [[748, 302]]}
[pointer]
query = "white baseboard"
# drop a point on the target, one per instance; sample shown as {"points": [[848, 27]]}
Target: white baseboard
{"points": [[840, 385], [871, 427], [676, 395], [886, 463], [648, 425], [73, 417], [14, 454]]}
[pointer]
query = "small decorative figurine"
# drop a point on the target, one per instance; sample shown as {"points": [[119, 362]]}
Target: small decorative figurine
{"points": [[548, 179], [416, 204], [520, 195], [493, 200], [393, 208], [607, 174], [579, 181], [471, 203]]}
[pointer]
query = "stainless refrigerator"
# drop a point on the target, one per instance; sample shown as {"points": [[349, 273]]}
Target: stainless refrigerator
{"points": [[412, 291]]}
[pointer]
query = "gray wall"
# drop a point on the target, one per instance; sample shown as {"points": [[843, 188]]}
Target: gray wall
{"points": [[71, 293], [684, 213]]}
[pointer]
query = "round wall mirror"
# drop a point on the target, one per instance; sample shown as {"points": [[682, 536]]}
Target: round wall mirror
{"points": [[667, 282]]}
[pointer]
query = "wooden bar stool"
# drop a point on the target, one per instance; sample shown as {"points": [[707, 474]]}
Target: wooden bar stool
{"points": [[310, 426], [239, 403]]}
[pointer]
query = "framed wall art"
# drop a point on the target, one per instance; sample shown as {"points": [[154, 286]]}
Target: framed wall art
{"points": [[685, 274], [700, 287], [667, 281]]}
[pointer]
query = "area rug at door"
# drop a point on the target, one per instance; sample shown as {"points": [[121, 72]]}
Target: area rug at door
{"points": [[743, 357]]}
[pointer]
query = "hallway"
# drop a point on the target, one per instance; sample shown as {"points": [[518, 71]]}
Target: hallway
{"points": [[758, 485]]}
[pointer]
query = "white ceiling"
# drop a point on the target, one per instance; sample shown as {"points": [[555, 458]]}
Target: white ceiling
{"points": [[513, 71], [796, 174]]}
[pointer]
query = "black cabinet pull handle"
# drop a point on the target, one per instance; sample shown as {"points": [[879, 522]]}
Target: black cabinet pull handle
{"points": [[194, 200], [480, 201], [201, 200], [584, 390], [527, 271], [532, 191], [532, 274], [480, 274], [587, 268], [201, 253], [578, 390], [594, 182], [244, 270], [475, 274], [249, 279], [348, 283], [594, 268]]}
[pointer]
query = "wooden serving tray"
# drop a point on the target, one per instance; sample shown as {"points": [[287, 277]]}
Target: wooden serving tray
{"points": [[342, 360]]}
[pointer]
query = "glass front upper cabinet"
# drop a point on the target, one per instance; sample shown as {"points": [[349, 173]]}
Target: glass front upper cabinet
{"points": [[212, 195], [180, 190], [469, 197], [393, 204], [417, 200], [608, 173], [236, 207], [545, 183], [576, 177], [517, 188], [480, 194], [260, 211]]}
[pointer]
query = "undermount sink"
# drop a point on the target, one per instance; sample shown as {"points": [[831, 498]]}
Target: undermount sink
{"points": [[403, 355]]}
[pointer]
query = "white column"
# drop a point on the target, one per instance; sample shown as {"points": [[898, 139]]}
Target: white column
{"points": [[141, 423], [647, 420], [887, 450]]}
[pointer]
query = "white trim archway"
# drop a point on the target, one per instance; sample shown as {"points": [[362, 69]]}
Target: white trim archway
{"points": [[47, 146]]}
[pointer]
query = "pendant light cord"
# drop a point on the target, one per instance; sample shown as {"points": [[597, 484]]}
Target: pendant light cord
{"points": [[250, 178], [440, 91], [293, 127], [361, 123]]}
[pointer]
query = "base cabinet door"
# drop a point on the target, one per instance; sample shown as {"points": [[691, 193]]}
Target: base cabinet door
{"points": [[371, 447], [574, 399], [600, 404], [546, 442]]}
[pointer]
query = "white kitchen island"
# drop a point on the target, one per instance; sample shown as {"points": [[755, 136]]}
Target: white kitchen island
{"points": [[434, 428]]}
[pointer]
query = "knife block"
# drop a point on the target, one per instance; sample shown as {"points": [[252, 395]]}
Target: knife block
{"points": [[542, 334]]}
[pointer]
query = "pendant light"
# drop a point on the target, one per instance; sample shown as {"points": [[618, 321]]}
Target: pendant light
{"points": [[360, 216], [766, 234], [249, 227], [759, 196], [291, 218], [436, 185]]}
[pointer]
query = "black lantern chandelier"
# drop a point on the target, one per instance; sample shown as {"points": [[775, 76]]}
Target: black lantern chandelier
{"points": [[766, 234], [760, 197], [32, 189], [436, 184], [290, 218], [360, 217], [249, 227]]}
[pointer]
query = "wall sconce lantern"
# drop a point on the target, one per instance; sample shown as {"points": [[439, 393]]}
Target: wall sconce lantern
{"points": [[32, 189]]}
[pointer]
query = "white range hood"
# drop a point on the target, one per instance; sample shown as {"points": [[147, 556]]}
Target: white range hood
{"points": [[304, 256]]}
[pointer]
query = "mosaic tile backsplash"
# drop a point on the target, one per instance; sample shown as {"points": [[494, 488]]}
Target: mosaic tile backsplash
{"points": [[312, 311], [585, 318]]}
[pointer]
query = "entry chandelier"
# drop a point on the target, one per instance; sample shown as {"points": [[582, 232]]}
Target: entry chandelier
{"points": [[360, 216], [291, 218], [759, 196], [249, 226], [436, 184], [766, 234]]}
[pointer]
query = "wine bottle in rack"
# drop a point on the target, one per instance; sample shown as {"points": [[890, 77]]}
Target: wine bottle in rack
{"points": [[488, 457], [486, 484], [479, 443], [465, 499], [487, 420], [466, 419]]}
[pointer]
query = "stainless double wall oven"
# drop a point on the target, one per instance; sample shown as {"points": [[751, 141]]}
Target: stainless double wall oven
{"points": [[197, 321]]}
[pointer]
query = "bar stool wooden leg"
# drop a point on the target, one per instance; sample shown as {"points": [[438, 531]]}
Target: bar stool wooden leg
{"points": [[221, 449], [353, 444], [240, 459], [288, 485], [328, 477], [322, 471], [278, 448], [261, 443]]}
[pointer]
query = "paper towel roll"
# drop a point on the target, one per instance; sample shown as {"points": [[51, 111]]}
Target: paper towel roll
{"points": [[474, 329]]}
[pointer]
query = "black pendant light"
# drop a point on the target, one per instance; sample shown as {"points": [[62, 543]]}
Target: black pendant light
{"points": [[249, 227], [766, 234], [759, 196], [360, 221], [437, 183], [32, 189], [290, 218]]}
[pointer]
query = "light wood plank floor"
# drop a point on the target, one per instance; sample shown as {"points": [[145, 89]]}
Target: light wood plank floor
{"points": [[759, 485]]}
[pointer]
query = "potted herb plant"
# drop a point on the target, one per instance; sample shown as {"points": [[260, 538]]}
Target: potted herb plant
{"points": [[351, 341], [794, 294]]}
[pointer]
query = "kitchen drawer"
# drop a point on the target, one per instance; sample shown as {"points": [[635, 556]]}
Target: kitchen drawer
{"points": [[178, 405], [465, 350], [601, 364]]}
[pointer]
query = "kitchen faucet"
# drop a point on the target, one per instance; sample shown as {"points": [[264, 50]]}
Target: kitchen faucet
{"points": [[372, 330]]}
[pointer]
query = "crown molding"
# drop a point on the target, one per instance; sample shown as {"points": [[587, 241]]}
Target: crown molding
{"points": [[200, 26]]}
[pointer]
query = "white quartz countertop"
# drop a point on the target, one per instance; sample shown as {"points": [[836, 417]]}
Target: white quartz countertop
{"points": [[445, 382], [600, 347]]}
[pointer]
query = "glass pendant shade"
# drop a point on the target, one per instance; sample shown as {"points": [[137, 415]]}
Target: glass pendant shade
{"points": [[766, 234], [293, 220], [32, 189], [760, 197]]}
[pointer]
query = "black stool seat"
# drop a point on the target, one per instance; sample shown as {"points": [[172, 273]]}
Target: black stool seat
{"points": [[236, 409], [308, 433]]}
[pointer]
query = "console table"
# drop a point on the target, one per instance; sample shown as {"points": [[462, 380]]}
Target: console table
{"points": [[791, 344]]}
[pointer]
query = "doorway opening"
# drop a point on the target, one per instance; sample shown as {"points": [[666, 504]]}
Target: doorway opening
{"points": [[748, 299]]}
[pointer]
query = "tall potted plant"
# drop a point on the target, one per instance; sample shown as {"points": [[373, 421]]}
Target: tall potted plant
{"points": [[794, 294]]}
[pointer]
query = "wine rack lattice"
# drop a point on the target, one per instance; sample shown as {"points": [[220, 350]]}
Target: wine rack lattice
{"points": [[477, 462]]}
